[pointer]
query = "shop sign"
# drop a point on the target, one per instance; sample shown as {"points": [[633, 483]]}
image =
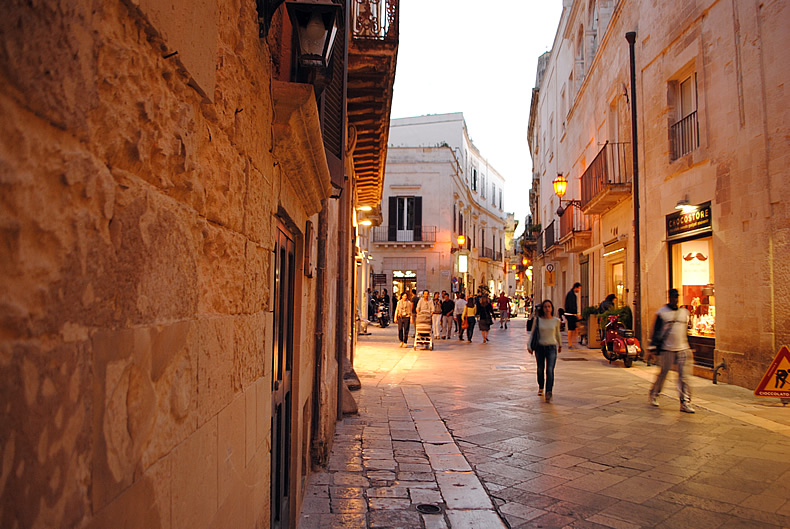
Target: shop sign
{"points": [[400, 274], [685, 223], [776, 381]]}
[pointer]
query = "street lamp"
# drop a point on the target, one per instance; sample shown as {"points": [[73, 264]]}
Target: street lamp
{"points": [[560, 188], [315, 23], [463, 259]]}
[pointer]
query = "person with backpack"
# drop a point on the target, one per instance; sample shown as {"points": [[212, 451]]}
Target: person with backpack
{"points": [[670, 337]]}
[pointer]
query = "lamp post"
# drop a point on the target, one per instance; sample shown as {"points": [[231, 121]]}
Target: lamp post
{"points": [[463, 263]]}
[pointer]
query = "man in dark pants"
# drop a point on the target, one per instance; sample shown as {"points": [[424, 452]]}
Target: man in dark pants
{"points": [[572, 313]]}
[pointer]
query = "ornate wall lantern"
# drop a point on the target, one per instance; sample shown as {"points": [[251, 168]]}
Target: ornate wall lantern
{"points": [[560, 185], [461, 241], [560, 188], [315, 23]]}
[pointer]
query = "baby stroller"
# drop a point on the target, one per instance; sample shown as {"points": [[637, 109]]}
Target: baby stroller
{"points": [[422, 332]]}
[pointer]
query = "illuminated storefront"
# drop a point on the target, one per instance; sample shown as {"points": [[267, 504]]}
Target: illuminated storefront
{"points": [[689, 234]]}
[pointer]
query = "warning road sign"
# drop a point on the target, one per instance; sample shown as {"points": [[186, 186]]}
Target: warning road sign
{"points": [[776, 381]]}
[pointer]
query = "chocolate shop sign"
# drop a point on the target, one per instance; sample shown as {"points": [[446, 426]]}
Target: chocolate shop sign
{"points": [[691, 222]]}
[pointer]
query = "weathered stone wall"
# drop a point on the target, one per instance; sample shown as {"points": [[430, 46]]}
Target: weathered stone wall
{"points": [[136, 220]]}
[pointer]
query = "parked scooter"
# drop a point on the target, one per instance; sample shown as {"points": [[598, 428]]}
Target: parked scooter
{"points": [[383, 314], [619, 342]]}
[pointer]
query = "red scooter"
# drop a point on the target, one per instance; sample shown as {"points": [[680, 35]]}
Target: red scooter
{"points": [[619, 342]]}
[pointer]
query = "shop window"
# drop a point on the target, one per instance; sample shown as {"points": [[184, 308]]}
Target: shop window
{"points": [[692, 275], [615, 274]]}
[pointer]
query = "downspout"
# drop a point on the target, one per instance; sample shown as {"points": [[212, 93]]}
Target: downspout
{"points": [[320, 295], [342, 301], [631, 38]]}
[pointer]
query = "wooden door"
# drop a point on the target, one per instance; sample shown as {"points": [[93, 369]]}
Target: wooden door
{"points": [[284, 275]]}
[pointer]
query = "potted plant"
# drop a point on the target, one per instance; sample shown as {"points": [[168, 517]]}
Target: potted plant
{"points": [[590, 315]]}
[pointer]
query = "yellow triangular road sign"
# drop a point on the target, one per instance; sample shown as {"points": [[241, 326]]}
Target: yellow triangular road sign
{"points": [[776, 381]]}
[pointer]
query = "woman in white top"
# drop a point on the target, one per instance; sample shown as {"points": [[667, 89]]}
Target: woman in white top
{"points": [[545, 342]]}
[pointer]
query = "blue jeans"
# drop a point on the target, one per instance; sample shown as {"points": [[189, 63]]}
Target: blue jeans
{"points": [[546, 355]]}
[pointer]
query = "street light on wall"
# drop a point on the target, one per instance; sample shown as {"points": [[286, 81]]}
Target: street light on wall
{"points": [[560, 188], [315, 23]]}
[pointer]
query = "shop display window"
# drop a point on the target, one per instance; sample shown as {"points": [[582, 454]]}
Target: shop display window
{"points": [[692, 275]]}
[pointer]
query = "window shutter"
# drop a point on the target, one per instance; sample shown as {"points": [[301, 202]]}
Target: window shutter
{"points": [[417, 218], [392, 228]]}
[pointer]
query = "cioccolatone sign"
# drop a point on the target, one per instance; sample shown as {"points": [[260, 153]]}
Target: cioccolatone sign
{"points": [[682, 223]]}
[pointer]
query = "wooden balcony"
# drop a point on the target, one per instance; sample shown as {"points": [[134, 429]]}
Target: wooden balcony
{"points": [[575, 231], [372, 54], [607, 180]]}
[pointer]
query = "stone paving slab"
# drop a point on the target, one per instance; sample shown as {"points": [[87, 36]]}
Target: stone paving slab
{"points": [[453, 430]]}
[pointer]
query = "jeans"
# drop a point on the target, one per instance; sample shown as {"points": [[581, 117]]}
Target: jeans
{"points": [[459, 321], [471, 329], [546, 355], [667, 360], [447, 325], [403, 329]]}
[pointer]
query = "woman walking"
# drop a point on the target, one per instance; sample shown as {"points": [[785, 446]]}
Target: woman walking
{"points": [[545, 342], [468, 316], [486, 312], [403, 317]]}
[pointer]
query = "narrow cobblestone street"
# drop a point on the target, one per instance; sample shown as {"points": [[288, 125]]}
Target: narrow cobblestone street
{"points": [[462, 428]]}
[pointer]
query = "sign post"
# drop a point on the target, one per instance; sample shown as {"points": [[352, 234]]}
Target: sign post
{"points": [[776, 381]]}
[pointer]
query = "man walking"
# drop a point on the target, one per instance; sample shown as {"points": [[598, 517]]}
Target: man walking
{"points": [[572, 313], [436, 317], [448, 307], [670, 336], [503, 303], [460, 305]]}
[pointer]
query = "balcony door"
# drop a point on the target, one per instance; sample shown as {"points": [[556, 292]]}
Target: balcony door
{"points": [[405, 219]]}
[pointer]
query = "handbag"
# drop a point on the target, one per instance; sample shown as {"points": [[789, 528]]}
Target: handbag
{"points": [[465, 324], [534, 338]]}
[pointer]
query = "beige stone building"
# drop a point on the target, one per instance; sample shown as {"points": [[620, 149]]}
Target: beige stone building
{"points": [[438, 186], [177, 187], [711, 118]]}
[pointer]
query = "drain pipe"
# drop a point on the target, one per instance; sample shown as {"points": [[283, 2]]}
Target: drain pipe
{"points": [[716, 371], [318, 448], [631, 38]]}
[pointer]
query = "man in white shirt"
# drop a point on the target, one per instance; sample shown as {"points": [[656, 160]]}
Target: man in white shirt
{"points": [[670, 336], [460, 305]]}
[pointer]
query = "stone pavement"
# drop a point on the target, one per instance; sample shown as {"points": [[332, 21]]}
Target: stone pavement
{"points": [[462, 428]]}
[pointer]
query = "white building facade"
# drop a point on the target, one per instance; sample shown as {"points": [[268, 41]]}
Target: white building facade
{"points": [[437, 187]]}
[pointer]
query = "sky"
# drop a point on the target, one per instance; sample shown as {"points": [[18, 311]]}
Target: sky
{"points": [[479, 58]]}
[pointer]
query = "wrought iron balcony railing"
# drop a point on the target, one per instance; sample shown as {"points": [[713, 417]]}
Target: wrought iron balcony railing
{"points": [[684, 135], [572, 221], [375, 19], [549, 234], [610, 170], [487, 253], [420, 234]]}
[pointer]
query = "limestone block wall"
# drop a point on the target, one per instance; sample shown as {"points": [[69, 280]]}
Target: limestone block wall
{"points": [[136, 226], [742, 108]]}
